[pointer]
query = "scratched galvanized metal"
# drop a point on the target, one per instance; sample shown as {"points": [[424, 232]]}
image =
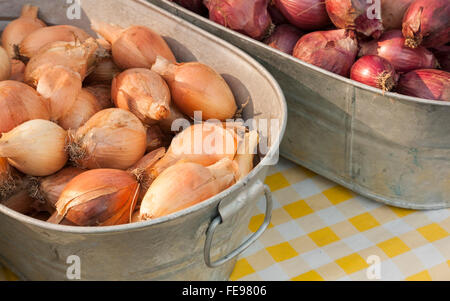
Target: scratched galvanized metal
{"points": [[391, 148], [169, 247]]}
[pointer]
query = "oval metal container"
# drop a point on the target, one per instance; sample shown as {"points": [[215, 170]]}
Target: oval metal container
{"points": [[185, 245], [388, 147]]}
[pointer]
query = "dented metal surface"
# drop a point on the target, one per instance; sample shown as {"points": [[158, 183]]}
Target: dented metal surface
{"points": [[389, 147], [169, 248]]}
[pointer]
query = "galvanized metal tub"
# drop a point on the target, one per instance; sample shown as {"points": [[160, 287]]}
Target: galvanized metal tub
{"points": [[176, 247], [389, 147]]}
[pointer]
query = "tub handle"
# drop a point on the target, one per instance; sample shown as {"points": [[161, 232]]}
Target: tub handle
{"points": [[220, 218]]}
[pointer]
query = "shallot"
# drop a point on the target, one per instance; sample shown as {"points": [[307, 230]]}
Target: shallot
{"points": [[197, 87], [284, 38], [374, 71], [305, 14], [426, 83]]}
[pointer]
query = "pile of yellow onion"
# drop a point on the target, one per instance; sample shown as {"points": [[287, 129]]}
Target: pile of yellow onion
{"points": [[85, 125]]}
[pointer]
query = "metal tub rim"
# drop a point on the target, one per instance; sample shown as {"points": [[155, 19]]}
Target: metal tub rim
{"points": [[273, 151], [310, 66]]}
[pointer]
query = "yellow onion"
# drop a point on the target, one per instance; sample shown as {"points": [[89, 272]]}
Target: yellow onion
{"points": [[104, 71], [103, 94], [197, 87], [185, 184], [245, 154], [59, 86], [143, 92], [204, 143], [156, 138], [40, 37], [17, 70], [142, 170], [135, 46], [36, 147], [48, 189], [5, 65], [99, 197], [8, 179], [112, 138], [19, 103], [76, 56], [20, 202], [20, 28], [84, 107]]}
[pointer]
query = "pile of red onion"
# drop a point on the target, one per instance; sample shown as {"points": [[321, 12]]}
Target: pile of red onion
{"points": [[393, 45]]}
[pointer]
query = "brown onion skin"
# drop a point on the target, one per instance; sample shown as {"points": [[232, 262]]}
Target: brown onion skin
{"points": [[110, 208], [374, 71], [426, 83], [442, 54], [19, 103], [392, 12], [17, 70], [247, 17], [284, 38], [427, 23], [352, 14], [391, 46], [305, 14], [333, 50]]}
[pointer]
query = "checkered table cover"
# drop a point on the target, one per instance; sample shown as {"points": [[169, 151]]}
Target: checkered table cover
{"points": [[322, 231]]}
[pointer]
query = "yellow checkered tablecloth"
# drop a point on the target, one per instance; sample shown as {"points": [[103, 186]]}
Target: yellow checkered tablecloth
{"points": [[321, 231]]}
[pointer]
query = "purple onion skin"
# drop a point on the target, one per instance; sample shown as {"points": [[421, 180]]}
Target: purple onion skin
{"points": [[427, 23], [305, 14], [247, 17], [284, 38], [195, 6], [374, 71], [391, 46], [332, 50], [426, 83]]}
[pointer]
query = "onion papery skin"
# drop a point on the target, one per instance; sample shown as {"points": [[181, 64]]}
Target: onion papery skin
{"points": [[43, 36], [135, 46], [100, 197], [143, 92], [19, 103], [374, 71], [391, 46], [5, 65], [284, 38], [427, 23], [112, 138], [333, 50], [426, 83], [103, 94], [353, 15], [392, 13], [305, 14], [197, 87], [17, 70], [247, 17], [20, 28], [36, 147], [185, 184], [84, 107]]}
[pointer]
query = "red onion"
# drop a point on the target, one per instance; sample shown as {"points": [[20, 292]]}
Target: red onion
{"points": [[427, 23], [332, 50], [305, 14], [284, 38], [391, 46], [276, 15], [359, 15], [375, 71], [193, 5], [426, 83], [248, 17], [392, 12], [442, 54]]}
